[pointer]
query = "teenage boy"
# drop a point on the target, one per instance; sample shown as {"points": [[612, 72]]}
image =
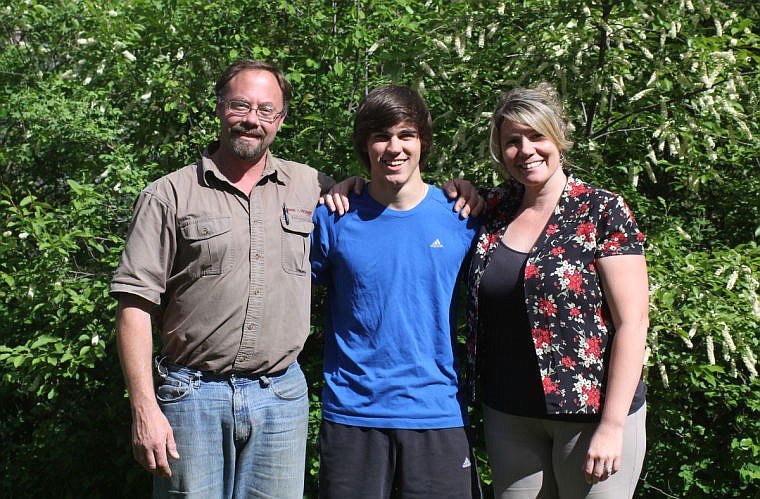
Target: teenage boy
{"points": [[392, 415]]}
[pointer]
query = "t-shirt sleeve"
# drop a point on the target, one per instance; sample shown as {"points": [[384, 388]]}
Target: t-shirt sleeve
{"points": [[149, 250], [618, 233], [320, 246]]}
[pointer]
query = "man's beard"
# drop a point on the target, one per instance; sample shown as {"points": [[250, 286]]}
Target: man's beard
{"points": [[247, 150], [244, 149]]}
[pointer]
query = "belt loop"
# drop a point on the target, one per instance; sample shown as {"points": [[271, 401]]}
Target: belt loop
{"points": [[264, 381], [157, 361]]}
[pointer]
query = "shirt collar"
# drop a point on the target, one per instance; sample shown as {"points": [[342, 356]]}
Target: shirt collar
{"points": [[273, 170]]}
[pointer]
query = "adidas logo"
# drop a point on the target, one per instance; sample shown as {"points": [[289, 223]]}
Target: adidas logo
{"points": [[436, 244], [466, 463]]}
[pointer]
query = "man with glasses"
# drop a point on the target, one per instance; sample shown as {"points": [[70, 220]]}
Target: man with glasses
{"points": [[218, 252]]}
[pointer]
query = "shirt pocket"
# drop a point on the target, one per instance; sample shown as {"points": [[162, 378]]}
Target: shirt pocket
{"points": [[296, 241], [208, 246]]}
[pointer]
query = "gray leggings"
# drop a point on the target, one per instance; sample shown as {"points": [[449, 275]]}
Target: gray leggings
{"points": [[538, 458]]}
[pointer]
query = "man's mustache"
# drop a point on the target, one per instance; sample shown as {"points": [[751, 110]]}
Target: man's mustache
{"points": [[250, 131]]}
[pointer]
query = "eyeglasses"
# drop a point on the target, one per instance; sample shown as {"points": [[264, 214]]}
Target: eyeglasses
{"points": [[242, 108]]}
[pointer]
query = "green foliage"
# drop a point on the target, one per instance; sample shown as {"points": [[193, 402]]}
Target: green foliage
{"points": [[703, 348], [100, 98]]}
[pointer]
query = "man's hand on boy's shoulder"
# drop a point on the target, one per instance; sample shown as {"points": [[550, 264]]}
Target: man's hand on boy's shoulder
{"points": [[469, 201]]}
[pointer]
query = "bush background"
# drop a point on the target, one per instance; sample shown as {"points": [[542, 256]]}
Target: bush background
{"points": [[98, 98]]}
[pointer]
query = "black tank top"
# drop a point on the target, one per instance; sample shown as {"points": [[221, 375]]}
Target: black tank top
{"points": [[510, 379]]}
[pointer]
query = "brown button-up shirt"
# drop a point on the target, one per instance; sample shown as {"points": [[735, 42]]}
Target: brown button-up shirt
{"points": [[230, 273]]}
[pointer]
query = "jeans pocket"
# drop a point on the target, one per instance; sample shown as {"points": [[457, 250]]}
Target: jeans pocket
{"points": [[290, 386], [172, 389]]}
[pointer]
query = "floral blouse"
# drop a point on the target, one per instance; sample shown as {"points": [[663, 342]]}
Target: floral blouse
{"points": [[569, 318]]}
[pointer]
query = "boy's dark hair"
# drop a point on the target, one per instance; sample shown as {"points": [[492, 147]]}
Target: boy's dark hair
{"points": [[247, 64], [387, 106]]}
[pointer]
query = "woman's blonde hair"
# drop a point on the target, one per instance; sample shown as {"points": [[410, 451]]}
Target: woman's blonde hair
{"points": [[538, 107]]}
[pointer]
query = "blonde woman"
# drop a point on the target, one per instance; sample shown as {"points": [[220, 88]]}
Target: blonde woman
{"points": [[557, 317]]}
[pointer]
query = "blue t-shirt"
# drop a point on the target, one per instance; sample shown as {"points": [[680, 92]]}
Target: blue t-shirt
{"points": [[391, 324]]}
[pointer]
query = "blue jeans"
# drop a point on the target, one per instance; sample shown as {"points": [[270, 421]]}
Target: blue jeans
{"points": [[237, 436]]}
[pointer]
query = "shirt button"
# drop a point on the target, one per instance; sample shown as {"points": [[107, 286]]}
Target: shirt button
{"points": [[256, 292], [249, 327], [205, 231]]}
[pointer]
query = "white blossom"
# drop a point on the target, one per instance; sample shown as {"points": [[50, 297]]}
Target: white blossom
{"points": [[459, 46], [95, 340], [23, 235], [639, 95], [664, 375], [710, 350], [732, 279], [693, 330], [438, 43], [688, 342], [427, 69], [129, 55], [749, 361], [683, 233], [7, 233], [728, 341], [718, 27]]}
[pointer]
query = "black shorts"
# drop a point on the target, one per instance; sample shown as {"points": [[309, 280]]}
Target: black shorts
{"points": [[379, 463]]}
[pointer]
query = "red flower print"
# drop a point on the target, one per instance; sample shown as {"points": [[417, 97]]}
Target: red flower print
{"points": [[531, 271], [552, 229], [640, 236], [615, 239], [586, 231], [577, 188], [599, 316], [541, 338], [583, 209], [568, 361], [547, 307], [488, 241], [559, 250], [574, 311], [593, 348], [574, 281], [592, 395], [549, 385]]}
